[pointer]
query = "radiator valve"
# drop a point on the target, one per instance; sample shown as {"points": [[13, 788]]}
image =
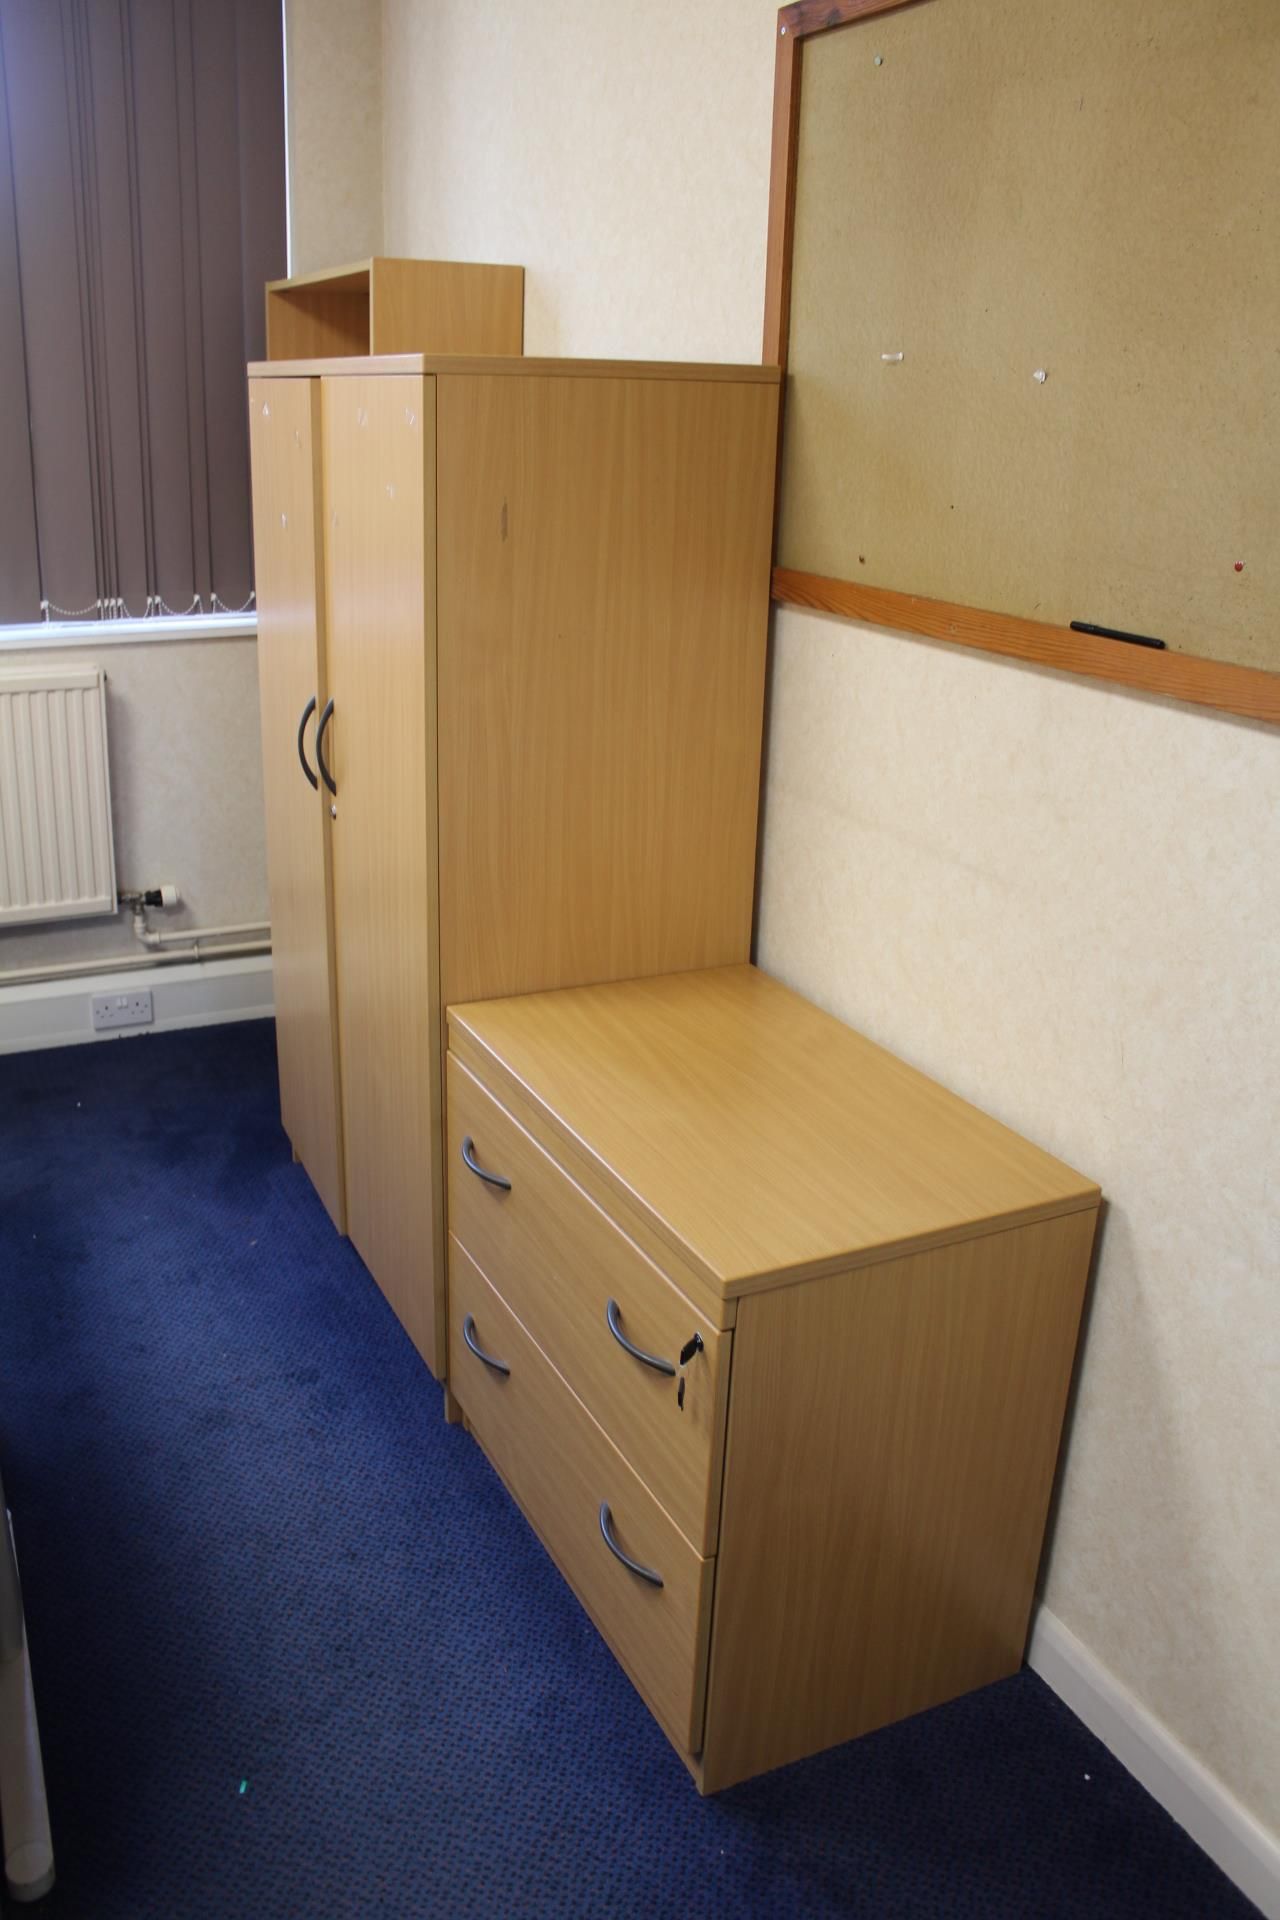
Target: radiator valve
{"points": [[165, 896]]}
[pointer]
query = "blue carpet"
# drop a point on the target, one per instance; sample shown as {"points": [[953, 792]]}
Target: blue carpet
{"points": [[296, 1652]]}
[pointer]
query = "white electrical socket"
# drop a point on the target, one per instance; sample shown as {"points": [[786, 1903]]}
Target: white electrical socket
{"points": [[121, 1010]]}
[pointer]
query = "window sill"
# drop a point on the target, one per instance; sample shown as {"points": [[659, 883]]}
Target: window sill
{"points": [[127, 633]]}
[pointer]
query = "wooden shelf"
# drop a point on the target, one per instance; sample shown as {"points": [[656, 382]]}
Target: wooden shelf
{"points": [[383, 306]]}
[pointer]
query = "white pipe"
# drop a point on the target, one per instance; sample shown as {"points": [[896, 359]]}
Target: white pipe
{"points": [[196, 935], [233, 950], [70, 968]]}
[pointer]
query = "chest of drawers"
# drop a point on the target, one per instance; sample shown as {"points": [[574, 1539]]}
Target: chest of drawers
{"points": [[770, 1337]]}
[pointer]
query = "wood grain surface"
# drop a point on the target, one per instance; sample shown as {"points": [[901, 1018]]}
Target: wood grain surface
{"points": [[762, 1137], [557, 1261], [317, 322], [1249, 692], [893, 1434], [510, 368], [603, 604], [623, 1209], [284, 438], [559, 1466], [445, 306], [378, 441], [380, 306]]}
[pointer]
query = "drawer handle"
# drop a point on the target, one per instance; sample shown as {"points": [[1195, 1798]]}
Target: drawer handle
{"points": [[637, 1353], [606, 1534], [493, 1179], [469, 1335]]}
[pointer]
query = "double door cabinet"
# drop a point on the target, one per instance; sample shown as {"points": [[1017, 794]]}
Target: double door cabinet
{"points": [[770, 1336], [512, 626]]}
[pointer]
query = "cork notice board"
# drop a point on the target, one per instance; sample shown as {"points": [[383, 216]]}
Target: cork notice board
{"points": [[997, 190]]}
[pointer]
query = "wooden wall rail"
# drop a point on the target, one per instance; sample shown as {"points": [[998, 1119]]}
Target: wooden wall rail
{"points": [[1248, 691]]}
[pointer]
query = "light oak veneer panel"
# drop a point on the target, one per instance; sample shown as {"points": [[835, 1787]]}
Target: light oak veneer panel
{"points": [[603, 601], [284, 438], [446, 306], [557, 1260], [586, 1174], [760, 1136], [559, 1466], [380, 475], [511, 367], [386, 306], [892, 1440], [316, 323]]}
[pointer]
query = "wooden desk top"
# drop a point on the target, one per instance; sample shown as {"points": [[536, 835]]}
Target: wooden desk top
{"points": [[761, 1137]]}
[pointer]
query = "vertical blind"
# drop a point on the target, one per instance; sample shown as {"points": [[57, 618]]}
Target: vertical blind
{"points": [[142, 206]]}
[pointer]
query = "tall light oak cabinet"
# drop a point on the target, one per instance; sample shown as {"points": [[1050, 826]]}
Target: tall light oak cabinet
{"points": [[512, 628]]}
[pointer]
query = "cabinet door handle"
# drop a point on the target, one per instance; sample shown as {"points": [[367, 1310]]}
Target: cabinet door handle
{"points": [[307, 712], [325, 774], [653, 1360], [469, 1335], [481, 1173], [633, 1566]]}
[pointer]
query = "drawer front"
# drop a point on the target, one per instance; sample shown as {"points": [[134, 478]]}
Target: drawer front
{"points": [[559, 1261], [560, 1467]]}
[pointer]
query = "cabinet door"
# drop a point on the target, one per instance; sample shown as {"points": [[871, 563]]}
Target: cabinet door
{"points": [[379, 453], [285, 444]]}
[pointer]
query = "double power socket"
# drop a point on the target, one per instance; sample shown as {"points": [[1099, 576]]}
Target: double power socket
{"points": [[121, 1010]]}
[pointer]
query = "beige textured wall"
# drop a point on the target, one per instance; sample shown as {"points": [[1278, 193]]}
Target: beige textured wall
{"points": [[334, 76], [185, 754], [619, 153], [1060, 900], [1063, 901]]}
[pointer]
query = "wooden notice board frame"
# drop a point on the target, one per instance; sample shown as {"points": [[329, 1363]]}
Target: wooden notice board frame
{"points": [[1251, 692]]}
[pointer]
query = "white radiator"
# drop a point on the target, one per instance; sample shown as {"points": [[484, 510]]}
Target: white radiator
{"points": [[57, 861]]}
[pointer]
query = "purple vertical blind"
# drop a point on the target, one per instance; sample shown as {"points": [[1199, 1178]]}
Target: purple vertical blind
{"points": [[142, 206]]}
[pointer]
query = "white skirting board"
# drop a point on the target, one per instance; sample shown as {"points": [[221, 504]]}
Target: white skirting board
{"points": [[191, 993], [1196, 1798]]}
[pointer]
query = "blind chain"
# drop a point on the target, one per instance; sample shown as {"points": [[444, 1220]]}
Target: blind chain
{"points": [[157, 608]]}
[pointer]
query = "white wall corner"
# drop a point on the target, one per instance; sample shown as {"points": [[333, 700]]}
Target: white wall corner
{"points": [[204, 993], [1247, 1853]]}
